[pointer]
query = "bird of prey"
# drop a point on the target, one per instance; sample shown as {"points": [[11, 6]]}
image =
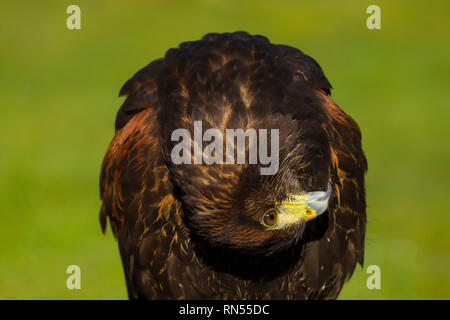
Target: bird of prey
{"points": [[223, 230]]}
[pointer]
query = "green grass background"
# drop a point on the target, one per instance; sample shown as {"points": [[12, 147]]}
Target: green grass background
{"points": [[59, 99]]}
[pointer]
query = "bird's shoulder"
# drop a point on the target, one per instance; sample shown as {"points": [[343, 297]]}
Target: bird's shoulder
{"points": [[347, 170], [133, 173]]}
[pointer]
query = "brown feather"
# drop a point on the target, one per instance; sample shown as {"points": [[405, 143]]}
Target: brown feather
{"points": [[189, 232]]}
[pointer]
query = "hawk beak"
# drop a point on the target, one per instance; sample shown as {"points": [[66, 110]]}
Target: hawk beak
{"points": [[318, 200], [305, 206]]}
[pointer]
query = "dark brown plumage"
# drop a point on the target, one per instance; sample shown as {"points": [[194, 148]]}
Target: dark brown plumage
{"points": [[194, 231]]}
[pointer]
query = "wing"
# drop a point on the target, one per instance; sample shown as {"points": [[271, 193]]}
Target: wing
{"points": [[327, 263], [131, 155], [138, 199], [331, 261], [349, 166], [135, 191]]}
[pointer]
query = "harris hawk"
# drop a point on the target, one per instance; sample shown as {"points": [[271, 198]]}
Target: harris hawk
{"points": [[225, 231]]}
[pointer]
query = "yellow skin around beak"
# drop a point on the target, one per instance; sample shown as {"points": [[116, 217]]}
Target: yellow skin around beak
{"points": [[302, 207], [294, 211]]}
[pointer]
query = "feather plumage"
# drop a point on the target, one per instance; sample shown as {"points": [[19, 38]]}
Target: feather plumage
{"points": [[170, 248]]}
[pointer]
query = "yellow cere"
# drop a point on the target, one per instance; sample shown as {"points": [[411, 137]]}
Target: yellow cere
{"points": [[294, 210]]}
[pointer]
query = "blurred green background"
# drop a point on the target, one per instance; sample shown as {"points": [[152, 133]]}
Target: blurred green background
{"points": [[59, 100]]}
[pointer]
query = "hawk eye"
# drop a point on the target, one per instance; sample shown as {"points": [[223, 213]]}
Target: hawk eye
{"points": [[270, 218]]}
